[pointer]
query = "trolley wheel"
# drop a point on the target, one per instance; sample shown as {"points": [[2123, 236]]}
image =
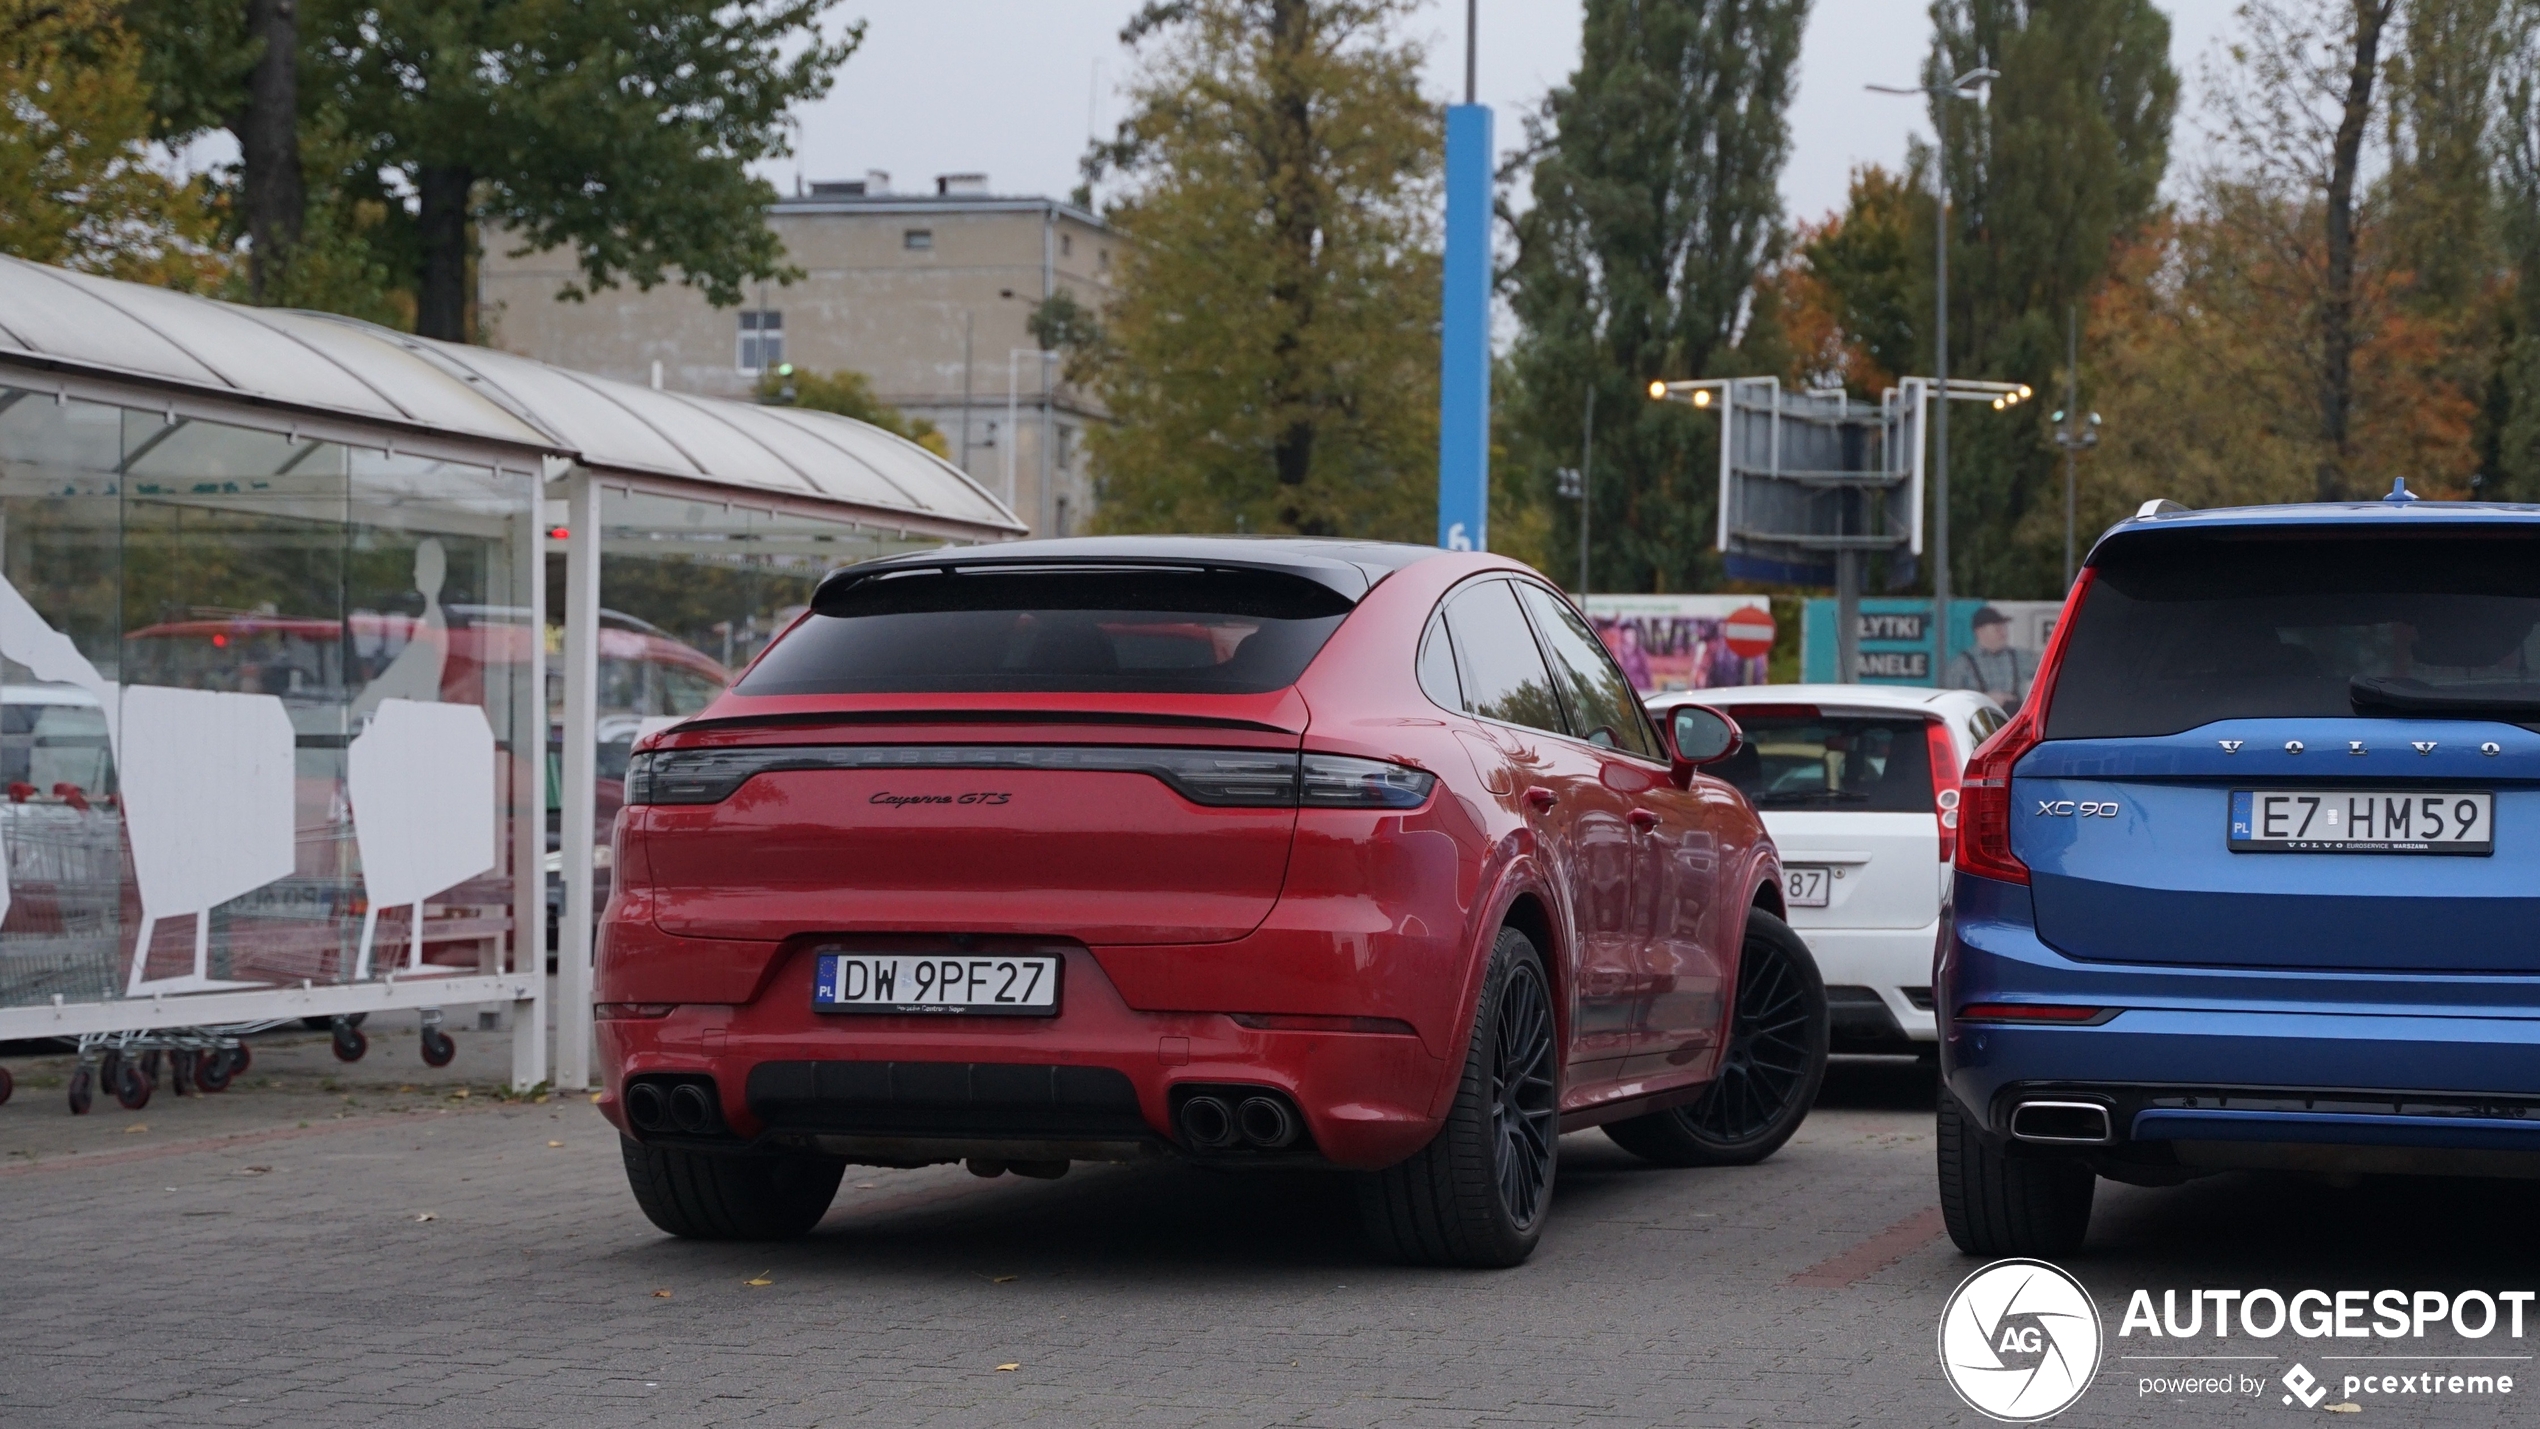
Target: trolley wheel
{"points": [[438, 1049], [350, 1044], [212, 1071], [8, 1084], [240, 1059], [182, 1066], [320, 1024], [83, 1090], [109, 1070], [132, 1091]]}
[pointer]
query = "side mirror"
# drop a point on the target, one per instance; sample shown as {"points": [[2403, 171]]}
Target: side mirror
{"points": [[1701, 737]]}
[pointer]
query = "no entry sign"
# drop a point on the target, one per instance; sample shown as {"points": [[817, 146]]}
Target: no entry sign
{"points": [[1749, 631]]}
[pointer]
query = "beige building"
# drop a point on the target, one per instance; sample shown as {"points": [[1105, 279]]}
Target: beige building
{"points": [[927, 294]]}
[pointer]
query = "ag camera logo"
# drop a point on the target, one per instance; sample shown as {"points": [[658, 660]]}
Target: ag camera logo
{"points": [[2019, 1341]]}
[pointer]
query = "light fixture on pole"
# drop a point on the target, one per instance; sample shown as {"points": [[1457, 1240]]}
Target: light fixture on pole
{"points": [[1966, 86], [2074, 432]]}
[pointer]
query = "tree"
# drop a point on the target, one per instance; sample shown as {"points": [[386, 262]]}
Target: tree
{"points": [[1654, 175], [2060, 166], [1271, 361], [76, 183], [849, 394], [1852, 293], [622, 131]]}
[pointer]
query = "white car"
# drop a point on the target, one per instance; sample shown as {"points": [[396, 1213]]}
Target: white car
{"points": [[1859, 786]]}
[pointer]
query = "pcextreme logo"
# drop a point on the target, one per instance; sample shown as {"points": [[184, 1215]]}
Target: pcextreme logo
{"points": [[2019, 1341]]}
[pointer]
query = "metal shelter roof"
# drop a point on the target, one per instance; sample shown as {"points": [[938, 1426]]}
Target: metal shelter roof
{"points": [[55, 319]]}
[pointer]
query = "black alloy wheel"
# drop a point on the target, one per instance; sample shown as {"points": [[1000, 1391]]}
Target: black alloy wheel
{"points": [[1769, 1072], [1478, 1193], [1524, 1120]]}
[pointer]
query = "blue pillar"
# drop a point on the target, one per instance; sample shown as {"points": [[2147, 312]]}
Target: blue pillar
{"points": [[1464, 377]]}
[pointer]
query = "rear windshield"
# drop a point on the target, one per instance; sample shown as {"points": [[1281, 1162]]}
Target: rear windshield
{"points": [[1877, 764], [1162, 631], [2184, 631]]}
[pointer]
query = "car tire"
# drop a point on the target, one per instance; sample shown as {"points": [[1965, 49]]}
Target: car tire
{"points": [[701, 1196], [1769, 1073], [1997, 1205], [1477, 1194]]}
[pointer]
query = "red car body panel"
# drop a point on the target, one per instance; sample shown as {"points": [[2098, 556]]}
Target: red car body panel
{"points": [[1177, 919]]}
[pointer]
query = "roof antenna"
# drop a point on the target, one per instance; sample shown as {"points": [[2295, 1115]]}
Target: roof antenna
{"points": [[2399, 490]]}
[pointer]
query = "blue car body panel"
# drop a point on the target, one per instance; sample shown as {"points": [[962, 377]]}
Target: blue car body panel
{"points": [[2259, 985]]}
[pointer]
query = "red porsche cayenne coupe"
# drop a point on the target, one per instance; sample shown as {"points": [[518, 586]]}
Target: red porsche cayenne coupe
{"points": [[1252, 852]]}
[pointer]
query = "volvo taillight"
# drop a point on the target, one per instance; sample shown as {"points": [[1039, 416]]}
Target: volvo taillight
{"points": [[1984, 797], [1944, 787]]}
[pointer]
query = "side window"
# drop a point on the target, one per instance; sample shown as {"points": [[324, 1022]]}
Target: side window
{"points": [[1504, 674], [1437, 666], [1602, 708]]}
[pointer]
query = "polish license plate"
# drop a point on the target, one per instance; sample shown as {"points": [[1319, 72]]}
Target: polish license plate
{"points": [[1806, 885], [2363, 821], [1006, 984]]}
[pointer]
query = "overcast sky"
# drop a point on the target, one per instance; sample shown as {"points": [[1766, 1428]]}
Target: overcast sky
{"points": [[1013, 88]]}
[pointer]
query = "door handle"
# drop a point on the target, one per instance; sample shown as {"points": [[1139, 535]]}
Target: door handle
{"points": [[1641, 820], [1541, 799]]}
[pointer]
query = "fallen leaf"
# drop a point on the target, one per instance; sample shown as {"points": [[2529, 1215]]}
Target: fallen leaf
{"points": [[427, 1216], [1004, 1367], [595, 1098], [540, 1099], [761, 1280], [555, 1143], [864, 1185], [1001, 1279], [661, 1294], [459, 1095], [255, 1170], [2349, 1407], [401, 1091], [129, 1130]]}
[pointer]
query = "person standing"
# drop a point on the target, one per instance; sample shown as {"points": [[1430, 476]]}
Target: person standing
{"points": [[1995, 666]]}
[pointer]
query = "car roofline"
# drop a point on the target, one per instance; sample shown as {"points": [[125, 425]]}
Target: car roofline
{"points": [[1348, 568]]}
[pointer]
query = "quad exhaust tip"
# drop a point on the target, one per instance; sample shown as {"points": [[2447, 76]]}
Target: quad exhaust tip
{"points": [[1208, 1123], [646, 1107], [692, 1108], [2062, 1123], [1266, 1122], [1262, 1121]]}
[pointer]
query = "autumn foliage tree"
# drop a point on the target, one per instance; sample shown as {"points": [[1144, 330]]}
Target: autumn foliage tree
{"points": [[77, 185], [1271, 361]]}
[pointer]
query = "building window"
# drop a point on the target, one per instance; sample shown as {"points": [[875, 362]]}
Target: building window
{"points": [[917, 239], [1102, 259], [762, 341], [1066, 246]]}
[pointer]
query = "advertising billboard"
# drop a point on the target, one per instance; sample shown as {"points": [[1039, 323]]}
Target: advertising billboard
{"points": [[1675, 642]]}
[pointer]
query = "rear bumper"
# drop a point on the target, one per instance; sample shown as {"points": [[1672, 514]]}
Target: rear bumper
{"points": [[2217, 1067], [1894, 963], [1095, 1082]]}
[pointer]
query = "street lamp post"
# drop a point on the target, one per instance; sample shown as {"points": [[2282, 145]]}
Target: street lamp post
{"points": [[1966, 86], [2074, 432]]}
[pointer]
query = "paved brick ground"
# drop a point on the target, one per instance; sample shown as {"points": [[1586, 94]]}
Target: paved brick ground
{"points": [[232, 1266]]}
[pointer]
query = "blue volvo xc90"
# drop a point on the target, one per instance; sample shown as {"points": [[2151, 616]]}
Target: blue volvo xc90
{"points": [[2253, 881]]}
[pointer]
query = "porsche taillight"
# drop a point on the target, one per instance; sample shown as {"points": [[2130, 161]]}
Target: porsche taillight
{"points": [[1984, 795]]}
